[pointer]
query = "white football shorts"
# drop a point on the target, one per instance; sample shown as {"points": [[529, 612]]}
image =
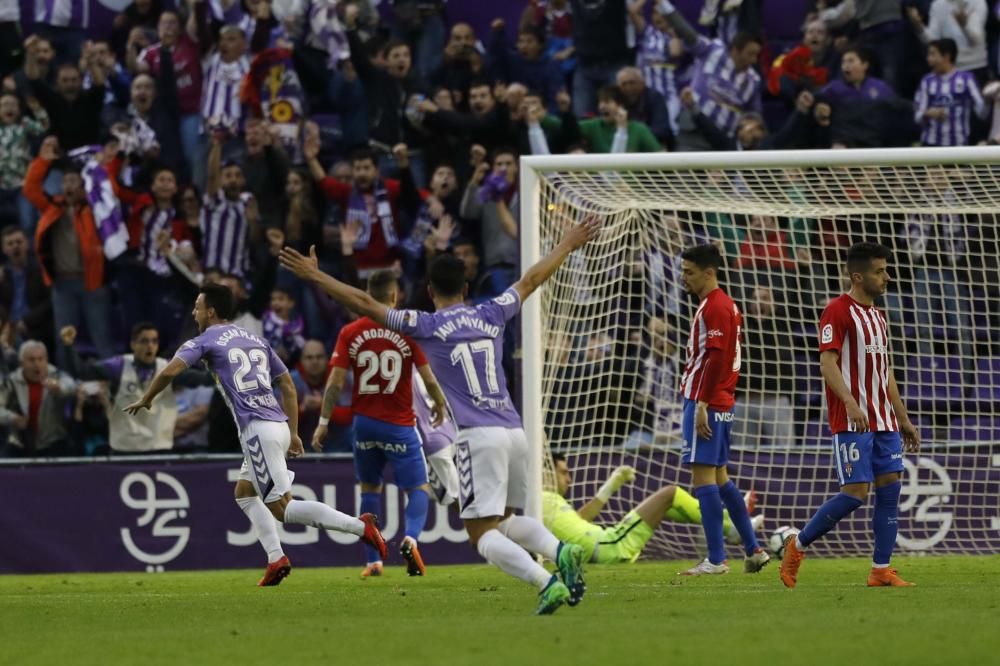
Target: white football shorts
{"points": [[265, 445], [492, 468]]}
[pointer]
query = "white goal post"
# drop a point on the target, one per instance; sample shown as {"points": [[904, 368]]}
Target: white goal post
{"points": [[601, 342]]}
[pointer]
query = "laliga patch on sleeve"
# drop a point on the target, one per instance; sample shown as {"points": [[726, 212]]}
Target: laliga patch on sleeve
{"points": [[506, 298], [827, 334]]}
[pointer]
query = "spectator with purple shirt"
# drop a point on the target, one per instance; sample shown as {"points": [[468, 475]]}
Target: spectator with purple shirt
{"points": [[947, 98], [64, 23], [863, 111], [725, 85]]}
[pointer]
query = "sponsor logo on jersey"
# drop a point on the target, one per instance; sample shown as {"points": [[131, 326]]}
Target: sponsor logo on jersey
{"points": [[724, 417], [388, 447], [876, 349], [827, 337], [714, 333]]}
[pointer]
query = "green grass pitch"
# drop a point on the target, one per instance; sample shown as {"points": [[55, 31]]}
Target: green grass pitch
{"points": [[641, 614]]}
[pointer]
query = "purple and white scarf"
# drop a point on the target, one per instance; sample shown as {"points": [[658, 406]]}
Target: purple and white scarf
{"points": [[357, 209], [413, 245], [324, 31], [105, 206]]}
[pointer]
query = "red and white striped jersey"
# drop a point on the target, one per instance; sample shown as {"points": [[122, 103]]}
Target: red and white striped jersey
{"points": [[859, 334], [717, 324]]}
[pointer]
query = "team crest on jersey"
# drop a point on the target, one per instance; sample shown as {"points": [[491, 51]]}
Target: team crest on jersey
{"points": [[827, 334], [505, 298], [848, 469]]}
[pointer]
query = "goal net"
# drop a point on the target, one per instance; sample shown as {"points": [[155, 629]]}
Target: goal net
{"points": [[604, 341]]}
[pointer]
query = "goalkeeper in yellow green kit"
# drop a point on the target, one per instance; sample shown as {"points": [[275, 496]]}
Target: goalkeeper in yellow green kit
{"points": [[624, 541]]}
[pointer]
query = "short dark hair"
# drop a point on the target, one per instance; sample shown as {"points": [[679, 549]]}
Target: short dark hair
{"points": [[860, 255], [503, 150], [613, 93], [461, 240], [742, 38], [946, 47], [67, 65], [362, 154], [67, 165], [395, 43], [479, 83], [219, 298], [864, 55], [10, 230], [140, 327], [381, 283], [284, 290], [447, 275], [558, 457], [703, 256]]}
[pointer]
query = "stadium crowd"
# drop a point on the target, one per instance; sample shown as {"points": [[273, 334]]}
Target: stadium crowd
{"points": [[188, 142]]}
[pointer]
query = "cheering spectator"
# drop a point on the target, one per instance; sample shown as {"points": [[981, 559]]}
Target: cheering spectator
{"points": [[434, 223], [725, 85], [863, 111], [881, 31], [613, 131], [147, 128], [24, 299], [127, 376], [33, 401], [462, 63], [540, 133], [487, 124], [493, 202], [74, 113], [387, 89], [657, 402], [16, 133], [70, 250], [117, 79], [964, 22], [224, 69], [143, 14], [38, 57], [947, 98], [266, 170], [808, 66], [644, 104], [371, 200], [178, 46], [310, 382], [229, 214], [528, 65], [283, 327]]}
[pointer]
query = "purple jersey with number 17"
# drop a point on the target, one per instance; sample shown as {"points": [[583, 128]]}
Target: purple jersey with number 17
{"points": [[244, 367], [464, 346]]}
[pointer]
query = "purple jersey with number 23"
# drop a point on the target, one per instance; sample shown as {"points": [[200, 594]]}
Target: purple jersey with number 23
{"points": [[464, 346], [244, 367]]}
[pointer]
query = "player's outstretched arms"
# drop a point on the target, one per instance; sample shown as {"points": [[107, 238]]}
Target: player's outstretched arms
{"points": [[830, 368], [307, 268], [162, 380], [574, 236]]}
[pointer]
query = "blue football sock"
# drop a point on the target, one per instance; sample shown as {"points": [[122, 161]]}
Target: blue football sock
{"points": [[371, 503], [711, 521], [828, 515], [739, 515], [416, 512], [885, 522]]}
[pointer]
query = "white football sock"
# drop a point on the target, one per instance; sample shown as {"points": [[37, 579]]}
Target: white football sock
{"points": [[798, 544], [264, 524], [317, 514], [510, 558], [531, 534]]}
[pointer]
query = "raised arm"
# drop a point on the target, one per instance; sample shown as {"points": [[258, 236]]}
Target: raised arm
{"points": [[307, 268], [214, 167], [618, 478], [681, 27], [162, 380], [576, 235]]}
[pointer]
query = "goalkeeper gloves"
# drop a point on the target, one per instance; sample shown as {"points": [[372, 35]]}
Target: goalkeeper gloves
{"points": [[618, 478]]}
